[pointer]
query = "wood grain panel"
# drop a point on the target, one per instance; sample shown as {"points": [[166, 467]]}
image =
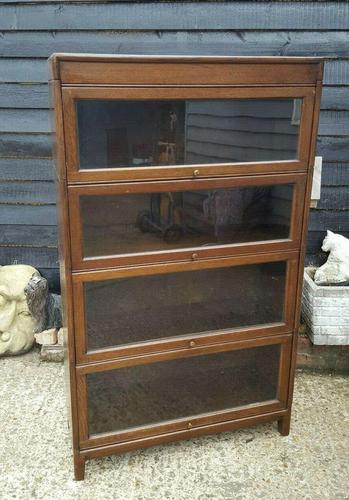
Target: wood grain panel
{"points": [[181, 73]]}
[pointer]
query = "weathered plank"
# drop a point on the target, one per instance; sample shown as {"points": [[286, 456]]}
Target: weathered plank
{"points": [[334, 123], [333, 148], [27, 169], [24, 120], [32, 215], [337, 72], [37, 236], [43, 43], [176, 16], [335, 220], [32, 256], [23, 70], [334, 197], [27, 192], [335, 98], [335, 174], [24, 95], [25, 145]]}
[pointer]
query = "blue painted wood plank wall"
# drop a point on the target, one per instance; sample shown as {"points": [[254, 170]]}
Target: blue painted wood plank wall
{"points": [[32, 30]]}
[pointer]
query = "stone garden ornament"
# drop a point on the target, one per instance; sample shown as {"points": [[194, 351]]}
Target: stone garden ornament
{"points": [[336, 270], [16, 322], [26, 307]]}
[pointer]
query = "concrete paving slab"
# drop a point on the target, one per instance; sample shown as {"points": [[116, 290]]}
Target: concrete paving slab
{"points": [[36, 463]]}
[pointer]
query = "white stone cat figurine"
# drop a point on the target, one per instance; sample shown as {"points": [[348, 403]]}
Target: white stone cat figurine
{"points": [[336, 270]]}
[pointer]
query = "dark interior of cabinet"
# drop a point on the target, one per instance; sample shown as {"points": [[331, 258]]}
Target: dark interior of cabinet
{"points": [[150, 394], [181, 132], [131, 223], [143, 308]]}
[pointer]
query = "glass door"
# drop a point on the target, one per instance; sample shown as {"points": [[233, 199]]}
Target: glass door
{"points": [[153, 133], [180, 391], [136, 223], [153, 308]]}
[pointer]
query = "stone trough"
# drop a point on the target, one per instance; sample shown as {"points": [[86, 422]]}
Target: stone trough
{"points": [[325, 311]]}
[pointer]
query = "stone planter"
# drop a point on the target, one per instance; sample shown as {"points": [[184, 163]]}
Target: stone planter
{"points": [[325, 311]]}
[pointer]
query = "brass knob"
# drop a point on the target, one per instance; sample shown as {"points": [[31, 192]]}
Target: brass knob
{"points": [[190, 425], [196, 172], [192, 343], [194, 256]]}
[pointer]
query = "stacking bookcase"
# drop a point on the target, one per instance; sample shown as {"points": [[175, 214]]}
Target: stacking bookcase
{"points": [[183, 194]]}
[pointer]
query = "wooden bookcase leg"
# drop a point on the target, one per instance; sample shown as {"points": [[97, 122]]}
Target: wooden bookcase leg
{"points": [[79, 467], [284, 424]]}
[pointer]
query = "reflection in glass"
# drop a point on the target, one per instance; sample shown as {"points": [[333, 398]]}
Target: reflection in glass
{"points": [[114, 134], [150, 394], [141, 308], [129, 223]]}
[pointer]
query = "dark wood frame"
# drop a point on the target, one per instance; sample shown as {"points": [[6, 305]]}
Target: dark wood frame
{"points": [[113, 77]]}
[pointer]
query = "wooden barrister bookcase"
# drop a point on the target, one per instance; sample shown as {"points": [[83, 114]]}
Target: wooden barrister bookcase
{"points": [[184, 187]]}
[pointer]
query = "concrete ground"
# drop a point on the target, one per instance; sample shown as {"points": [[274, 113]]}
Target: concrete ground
{"points": [[35, 454]]}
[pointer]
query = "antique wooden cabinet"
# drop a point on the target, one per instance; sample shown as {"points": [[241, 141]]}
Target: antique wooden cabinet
{"points": [[184, 186]]}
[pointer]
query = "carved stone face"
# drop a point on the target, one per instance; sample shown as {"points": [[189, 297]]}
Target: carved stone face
{"points": [[16, 323]]}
